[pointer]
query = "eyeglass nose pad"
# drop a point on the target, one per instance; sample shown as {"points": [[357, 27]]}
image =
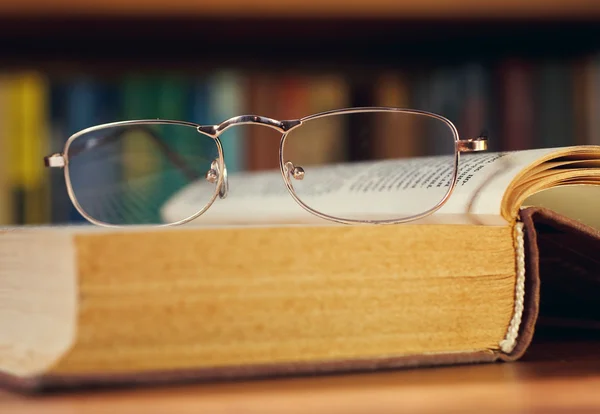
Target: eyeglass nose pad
{"points": [[212, 176], [295, 171]]}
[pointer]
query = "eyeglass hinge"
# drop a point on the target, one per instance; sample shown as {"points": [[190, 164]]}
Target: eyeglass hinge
{"points": [[472, 144], [54, 160]]}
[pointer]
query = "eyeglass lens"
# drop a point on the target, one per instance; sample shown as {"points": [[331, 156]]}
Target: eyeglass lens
{"points": [[126, 174]]}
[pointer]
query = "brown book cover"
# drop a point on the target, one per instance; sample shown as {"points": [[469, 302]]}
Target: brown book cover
{"points": [[262, 145], [396, 136]]}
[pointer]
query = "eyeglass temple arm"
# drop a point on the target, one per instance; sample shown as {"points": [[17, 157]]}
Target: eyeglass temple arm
{"points": [[172, 156]]}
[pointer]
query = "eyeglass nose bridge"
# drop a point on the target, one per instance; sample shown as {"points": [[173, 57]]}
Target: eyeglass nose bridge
{"points": [[281, 126]]}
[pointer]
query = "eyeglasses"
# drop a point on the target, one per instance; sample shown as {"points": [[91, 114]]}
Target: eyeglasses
{"points": [[127, 173]]}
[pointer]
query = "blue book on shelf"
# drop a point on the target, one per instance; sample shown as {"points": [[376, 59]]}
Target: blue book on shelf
{"points": [[60, 203], [225, 100], [91, 102]]}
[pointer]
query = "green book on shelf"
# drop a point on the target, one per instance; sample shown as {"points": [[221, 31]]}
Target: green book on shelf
{"points": [[144, 164]]}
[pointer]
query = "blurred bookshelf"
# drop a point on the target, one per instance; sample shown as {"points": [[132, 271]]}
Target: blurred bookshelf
{"points": [[527, 72]]}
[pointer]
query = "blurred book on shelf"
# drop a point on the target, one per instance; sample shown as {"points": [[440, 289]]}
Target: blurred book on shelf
{"points": [[24, 137], [522, 103]]}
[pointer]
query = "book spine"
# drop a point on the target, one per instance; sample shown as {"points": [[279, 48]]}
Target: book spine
{"points": [[593, 102], [394, 137], [81, 96], [517, 105], [225, 100], [28, 143], [554, 105], [6, 196], [263, 151]]}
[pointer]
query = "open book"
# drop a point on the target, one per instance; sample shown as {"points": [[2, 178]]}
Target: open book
{"points": [[516, 244], [491, 189]]}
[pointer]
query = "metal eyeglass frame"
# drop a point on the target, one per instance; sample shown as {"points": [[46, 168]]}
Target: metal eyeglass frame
{"points": [[61, 159]]}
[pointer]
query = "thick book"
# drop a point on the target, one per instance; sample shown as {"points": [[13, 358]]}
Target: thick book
{"points": [[268, 289]]}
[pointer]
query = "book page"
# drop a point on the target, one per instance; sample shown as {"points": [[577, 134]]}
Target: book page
{"points": [[375, 189], [560, 200]]}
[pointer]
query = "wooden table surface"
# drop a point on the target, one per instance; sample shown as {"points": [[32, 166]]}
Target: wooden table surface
{"points": [[553, 377]]}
